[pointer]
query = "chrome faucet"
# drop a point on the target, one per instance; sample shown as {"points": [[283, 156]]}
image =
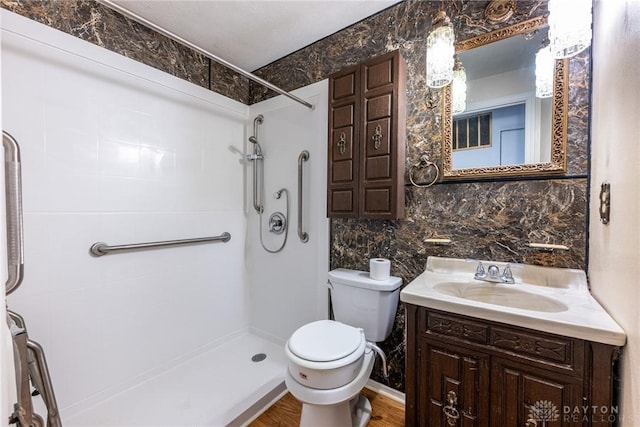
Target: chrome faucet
{"points": [[492, 274]]}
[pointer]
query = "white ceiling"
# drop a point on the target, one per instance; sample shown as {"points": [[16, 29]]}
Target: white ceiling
{"points": [[253, 33]]}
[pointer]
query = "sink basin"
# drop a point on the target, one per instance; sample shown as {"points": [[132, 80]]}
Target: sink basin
{"points": [[548, 299], [500, 295]]}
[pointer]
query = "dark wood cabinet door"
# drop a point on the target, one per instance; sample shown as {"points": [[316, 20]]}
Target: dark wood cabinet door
{"points": [[522, 394], [343, 149], [454, 384], [383, 137]]}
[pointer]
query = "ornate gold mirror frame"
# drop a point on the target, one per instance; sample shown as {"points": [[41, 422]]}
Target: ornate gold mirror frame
{"points": [[560, 100]]}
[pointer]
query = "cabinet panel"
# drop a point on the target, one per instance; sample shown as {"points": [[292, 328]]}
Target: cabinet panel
{"points": [[342, 200], [376, 201], [378, 168], [463, 374], [342, 171], [521, 393], [456, 327], [556, 350], [379, 107], [344, 86], [380, 74], [343, 116]]}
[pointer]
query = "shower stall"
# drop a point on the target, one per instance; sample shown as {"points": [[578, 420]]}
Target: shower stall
{"points": [[114, 151]]}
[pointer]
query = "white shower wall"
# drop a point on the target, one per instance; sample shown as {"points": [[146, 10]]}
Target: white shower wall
{"points": [[115, 151], [289, 288]]}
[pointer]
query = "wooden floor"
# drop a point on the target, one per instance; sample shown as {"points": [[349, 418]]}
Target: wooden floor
{"points": [[285, 412]]}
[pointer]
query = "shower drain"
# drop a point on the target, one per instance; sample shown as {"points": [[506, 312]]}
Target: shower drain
{"points": [[258, 357]]}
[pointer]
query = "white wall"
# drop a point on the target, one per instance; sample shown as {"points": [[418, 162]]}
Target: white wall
{"points": [[614, 249], [116, 151], [288, 289]]}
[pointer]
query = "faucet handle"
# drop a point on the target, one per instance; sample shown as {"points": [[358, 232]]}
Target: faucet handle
{"points": [[507, 275], [480, 273]]}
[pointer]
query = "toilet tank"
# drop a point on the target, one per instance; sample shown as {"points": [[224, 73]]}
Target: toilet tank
{"points": [[363, 302]]}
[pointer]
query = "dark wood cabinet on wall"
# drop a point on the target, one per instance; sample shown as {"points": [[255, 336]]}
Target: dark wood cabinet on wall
{"points": [[463, 371], [367, 130]]}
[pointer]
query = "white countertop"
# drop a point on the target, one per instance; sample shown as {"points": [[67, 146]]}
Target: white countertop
{"points": [[584, 318]]}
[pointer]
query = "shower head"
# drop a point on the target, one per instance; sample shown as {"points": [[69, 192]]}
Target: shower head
{"points": [[257, 150]]}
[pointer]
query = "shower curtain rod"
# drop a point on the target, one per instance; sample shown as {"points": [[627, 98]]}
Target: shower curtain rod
{"points": [[110, 4]]}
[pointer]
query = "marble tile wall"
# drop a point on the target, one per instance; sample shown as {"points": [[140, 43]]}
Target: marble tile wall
{"points": [[489, 219]]}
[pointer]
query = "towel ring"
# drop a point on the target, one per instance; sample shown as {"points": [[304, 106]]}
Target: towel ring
{"points": [[424, 163]]}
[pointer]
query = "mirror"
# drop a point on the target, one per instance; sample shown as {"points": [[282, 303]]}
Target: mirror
{"points": [[504, 129]]}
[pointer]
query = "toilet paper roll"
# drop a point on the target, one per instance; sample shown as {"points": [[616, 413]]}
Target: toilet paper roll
{"points": [[379, 268]]}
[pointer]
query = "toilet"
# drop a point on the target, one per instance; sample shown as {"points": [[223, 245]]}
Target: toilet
{"points": [[330, 361]]}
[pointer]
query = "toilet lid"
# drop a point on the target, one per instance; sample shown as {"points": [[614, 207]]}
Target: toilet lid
{"points": [[325, 340]]}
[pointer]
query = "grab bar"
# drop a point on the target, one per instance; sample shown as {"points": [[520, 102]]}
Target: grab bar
{"points": [[13, 196], [45, 387], [303, 157], [23, 409], [33, 366], [101, 248]]}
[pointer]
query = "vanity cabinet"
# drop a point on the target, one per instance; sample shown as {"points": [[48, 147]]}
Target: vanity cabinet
{"points": [[367, 127], [463, 371]]}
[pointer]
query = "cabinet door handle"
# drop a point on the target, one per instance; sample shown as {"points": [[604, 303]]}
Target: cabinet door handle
{"points": [[450, 410], [531, 423], [377, 137], [342, 143]]}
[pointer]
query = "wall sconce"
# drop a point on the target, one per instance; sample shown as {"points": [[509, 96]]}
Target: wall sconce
{"points": [[458, 87], [440, 52], [569, 27], [545, 64]]}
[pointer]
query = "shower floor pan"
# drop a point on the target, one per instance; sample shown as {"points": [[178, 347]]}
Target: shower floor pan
{"points": [[220, 387]]}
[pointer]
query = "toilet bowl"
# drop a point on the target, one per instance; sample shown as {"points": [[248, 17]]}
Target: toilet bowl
{"points": [[330, 361], [339, 407], [329, 364]]}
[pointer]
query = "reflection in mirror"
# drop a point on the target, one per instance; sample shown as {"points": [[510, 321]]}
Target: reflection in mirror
{"points": [[502, 106], [504, 128]]}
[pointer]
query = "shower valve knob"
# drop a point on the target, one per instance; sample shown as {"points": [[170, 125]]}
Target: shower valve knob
{"points": [[277, 223]]}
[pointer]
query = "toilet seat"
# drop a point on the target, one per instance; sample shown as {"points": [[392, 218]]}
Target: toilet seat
{"points": [[325, 354], [326, 344], [324, 341]]}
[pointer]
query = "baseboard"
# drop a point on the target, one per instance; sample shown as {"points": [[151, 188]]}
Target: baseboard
{"points": [[386, 391]]}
